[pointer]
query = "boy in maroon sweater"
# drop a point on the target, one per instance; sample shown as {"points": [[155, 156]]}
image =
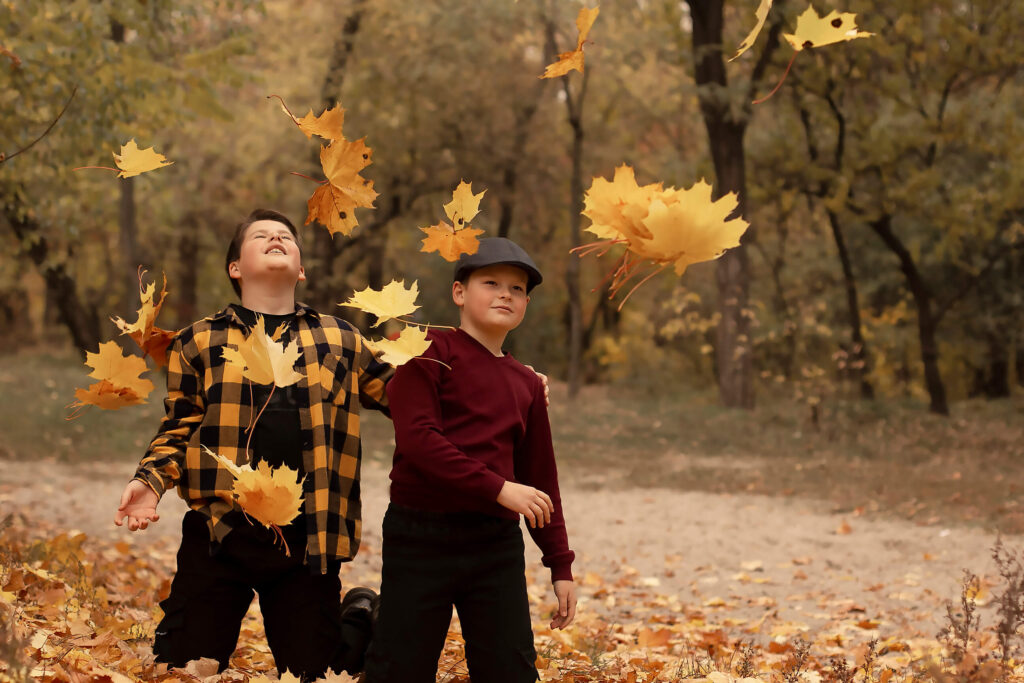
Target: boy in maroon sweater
{"points": [[472, 452]]}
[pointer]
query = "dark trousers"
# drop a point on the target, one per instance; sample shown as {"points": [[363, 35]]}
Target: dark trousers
{"points": [[433, 562], [301, 611]]}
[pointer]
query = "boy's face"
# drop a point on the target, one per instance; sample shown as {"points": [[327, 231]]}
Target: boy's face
{"points": [[494, 297], [268, 250]]}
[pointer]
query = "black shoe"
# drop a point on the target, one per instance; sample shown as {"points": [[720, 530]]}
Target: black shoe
{"points": [[358, 599]]}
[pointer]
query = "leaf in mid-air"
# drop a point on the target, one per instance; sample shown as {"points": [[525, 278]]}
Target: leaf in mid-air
{"points": [[328, 125], [569, 61], [263, 360], [762, 15], [134, 161], [450, 243], [151, 339], [333, 204], [659, 227], [464, 205], [271, 496], [815, 31], [393, 301], [411, 342], [118, 384], [689, 227]]}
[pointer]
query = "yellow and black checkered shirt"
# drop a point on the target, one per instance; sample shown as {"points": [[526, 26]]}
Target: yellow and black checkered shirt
{"points": [[209, 404]]}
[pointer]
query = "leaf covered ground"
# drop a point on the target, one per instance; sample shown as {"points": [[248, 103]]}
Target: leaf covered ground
{"points": [[674, 585]]}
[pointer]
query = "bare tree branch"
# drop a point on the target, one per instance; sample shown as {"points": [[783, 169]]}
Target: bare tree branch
{"points": [[5, 157]]}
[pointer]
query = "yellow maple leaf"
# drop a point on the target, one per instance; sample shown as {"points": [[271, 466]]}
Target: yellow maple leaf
{"points": [[151, 339], [328, 125], [815, 31], [762, 15], [393, 301], [121, 370], [263, 360], [411, 342], [691, 228], [449, 242], [105, 395], [573, 60], [333, 204], [464, 205], [617, 207], [271, 496], [134, 161]]}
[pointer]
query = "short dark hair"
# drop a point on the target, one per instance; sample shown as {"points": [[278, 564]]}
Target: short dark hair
{"points": [[235, 247]]}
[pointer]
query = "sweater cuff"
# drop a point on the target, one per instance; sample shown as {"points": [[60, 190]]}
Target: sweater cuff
{"points": [[561, 572], [495, 482]]}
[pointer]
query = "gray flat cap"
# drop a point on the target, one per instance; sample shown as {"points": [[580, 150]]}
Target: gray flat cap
{"points": [[499, 251]]}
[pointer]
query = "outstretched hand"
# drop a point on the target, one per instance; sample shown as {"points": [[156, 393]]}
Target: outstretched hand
{"points": [[532, 503], [138, 505], [565, 593]]}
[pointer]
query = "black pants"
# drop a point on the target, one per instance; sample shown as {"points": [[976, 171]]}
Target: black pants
{"points": [[301, 611], [433, 562]]}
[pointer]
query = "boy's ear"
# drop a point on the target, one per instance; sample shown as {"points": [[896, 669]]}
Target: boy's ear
{"points": [[302, 273], [458, 293], [233, 271]]}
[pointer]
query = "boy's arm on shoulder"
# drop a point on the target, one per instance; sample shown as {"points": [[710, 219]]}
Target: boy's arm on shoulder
{"points": [[373, 376], [185, 407]]}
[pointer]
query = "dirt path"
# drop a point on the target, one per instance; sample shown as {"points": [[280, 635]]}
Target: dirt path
{"points": [[735, 559]]}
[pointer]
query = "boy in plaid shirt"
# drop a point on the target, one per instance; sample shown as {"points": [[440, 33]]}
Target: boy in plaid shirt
{"points": [[312, 426]]}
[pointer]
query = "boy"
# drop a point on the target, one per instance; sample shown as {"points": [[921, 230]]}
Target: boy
{"points": [[311, 426], [472, 440]]}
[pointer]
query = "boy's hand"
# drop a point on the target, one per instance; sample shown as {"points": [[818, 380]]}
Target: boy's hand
{"points": [[138, 504], [532, 503], [565, 592], [544, 381]]}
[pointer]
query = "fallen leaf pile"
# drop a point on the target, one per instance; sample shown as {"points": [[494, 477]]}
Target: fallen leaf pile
{"points": [[76, 608], [659, 227]]}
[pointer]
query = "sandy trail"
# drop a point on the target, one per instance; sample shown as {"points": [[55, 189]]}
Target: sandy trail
{"points": [[735, 557]]}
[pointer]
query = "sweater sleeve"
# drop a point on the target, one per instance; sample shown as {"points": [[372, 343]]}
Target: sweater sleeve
{"points": [[414, 396], [161, 466], [535, 466]]}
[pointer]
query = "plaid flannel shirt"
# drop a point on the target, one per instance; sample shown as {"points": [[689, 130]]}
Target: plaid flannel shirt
{"points": [[209, 404]]}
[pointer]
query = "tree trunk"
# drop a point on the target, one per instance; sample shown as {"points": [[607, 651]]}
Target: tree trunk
{"points": [[927, 323], [80, 319], [186, 299], [858, 361], [574, 305], [725, 138], [128, 242]]}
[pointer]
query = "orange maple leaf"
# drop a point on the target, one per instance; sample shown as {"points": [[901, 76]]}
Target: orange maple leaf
{"points": [[573, 60], [151, 339], [328, 125], [449, 242], [333, 204]]}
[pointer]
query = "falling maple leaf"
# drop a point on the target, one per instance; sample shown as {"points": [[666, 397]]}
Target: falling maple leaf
{"points": [[815, 31], [271, 496], [762, 15], [412, 342], [151, 339], [450, 243], [134, 161], [393, 301], [573, 60], [333, 204], [263, 360], [119, 383], [328, 125], [451, 240], [658, 226]]}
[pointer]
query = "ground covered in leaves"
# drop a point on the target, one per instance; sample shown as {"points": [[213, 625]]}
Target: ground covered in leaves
{"points": [[674, 585]]}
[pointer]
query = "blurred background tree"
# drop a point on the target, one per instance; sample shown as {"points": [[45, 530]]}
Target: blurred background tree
{"points": [[881, 182]]}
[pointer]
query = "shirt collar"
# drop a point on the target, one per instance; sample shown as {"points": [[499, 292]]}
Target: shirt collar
{"points": [[230, 312]]}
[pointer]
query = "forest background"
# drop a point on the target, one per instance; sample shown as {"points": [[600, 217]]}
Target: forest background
{"points": [[865, 345]]}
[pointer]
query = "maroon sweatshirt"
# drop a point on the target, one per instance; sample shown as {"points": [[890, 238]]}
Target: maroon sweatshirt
{"points": [[460, 434]]}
